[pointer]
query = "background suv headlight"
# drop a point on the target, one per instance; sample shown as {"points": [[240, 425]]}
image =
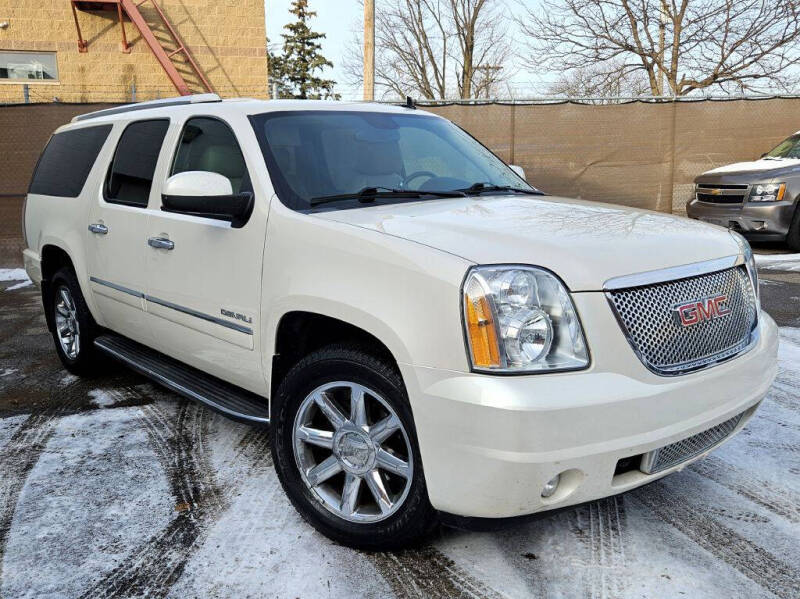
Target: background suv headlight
{"points": [[521, 319], [767, 192]]}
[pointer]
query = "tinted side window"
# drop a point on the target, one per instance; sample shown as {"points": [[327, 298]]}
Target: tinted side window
{"points": [[131, 174], [209, 145], [66, 161]]}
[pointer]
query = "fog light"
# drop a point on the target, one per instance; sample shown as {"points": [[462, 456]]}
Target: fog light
{"points": [[551, 486]]}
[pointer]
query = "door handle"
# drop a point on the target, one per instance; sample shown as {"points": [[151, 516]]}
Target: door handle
{"points": [[161, 243], [98, 228]]}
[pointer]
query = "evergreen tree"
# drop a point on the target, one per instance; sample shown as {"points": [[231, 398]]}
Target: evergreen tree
{"points": [[279, 87], [296, 70]]}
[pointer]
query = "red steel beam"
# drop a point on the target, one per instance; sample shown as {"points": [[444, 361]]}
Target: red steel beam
{"points": [[131, 8], [180, 44], [82, 47], [155, 47]]}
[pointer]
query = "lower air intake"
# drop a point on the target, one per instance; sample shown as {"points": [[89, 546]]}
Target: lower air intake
{"points": [[680, 451]]}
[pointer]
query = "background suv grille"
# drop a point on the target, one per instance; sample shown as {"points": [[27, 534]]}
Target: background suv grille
{"points": [[721, 194], [648, 317]]}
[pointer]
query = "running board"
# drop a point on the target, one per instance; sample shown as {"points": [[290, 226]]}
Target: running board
{"points": [[190, 382]]}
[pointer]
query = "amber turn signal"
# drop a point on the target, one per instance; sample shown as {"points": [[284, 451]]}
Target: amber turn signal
{"points": [[482, 331]]}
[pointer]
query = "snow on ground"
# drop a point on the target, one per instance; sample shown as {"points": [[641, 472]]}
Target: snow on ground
{"points": [[785, 262], [102, 398], [123, 489], [98, 491], [13, 274]]}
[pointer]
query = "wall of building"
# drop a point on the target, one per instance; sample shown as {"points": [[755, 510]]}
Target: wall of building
{"points": [[227, 38]]}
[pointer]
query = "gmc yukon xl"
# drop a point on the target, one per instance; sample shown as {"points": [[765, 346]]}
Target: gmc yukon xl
{"points": [[427, 335]]}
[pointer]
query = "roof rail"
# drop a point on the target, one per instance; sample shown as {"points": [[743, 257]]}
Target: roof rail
{"points": [[177, 101]]}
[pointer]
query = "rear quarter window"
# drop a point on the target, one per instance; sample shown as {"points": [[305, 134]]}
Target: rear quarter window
{"points": [[67, 160]]}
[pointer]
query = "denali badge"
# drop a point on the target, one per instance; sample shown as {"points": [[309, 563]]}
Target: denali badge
{"points": [[236, 315], [708, 308]]}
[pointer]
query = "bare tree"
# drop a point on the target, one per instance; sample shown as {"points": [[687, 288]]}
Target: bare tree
{"points": [[436, 48], [678, 46], [588, 82]]}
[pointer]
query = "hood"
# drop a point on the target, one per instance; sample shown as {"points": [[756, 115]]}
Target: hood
{"points": [[759, 167], [585, 243]]}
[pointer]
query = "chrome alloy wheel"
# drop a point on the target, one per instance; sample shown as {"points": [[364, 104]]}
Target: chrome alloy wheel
{"points": [[353, 452], [69, 334]]}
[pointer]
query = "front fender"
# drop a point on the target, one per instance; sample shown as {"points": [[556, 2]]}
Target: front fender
{"points": [[405, 294]]}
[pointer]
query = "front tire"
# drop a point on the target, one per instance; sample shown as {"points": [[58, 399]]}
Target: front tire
{"points": [[73, 327], [346, 453]]}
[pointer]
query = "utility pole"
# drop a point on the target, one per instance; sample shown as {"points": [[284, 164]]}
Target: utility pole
{"points": [[369, 50], [662, 27]]}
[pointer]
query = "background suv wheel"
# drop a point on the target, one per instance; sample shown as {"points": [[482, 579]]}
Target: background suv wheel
{"points": [[793, 238], [346, 452]]}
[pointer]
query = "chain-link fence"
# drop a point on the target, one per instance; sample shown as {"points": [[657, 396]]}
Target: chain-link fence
{"points": [[24, 131], [643, 154]]}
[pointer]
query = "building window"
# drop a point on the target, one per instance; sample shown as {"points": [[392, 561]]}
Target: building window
{"points": [[28, 66]]}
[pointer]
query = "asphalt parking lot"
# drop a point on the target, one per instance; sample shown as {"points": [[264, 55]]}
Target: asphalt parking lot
{"points": [[112, 487]]}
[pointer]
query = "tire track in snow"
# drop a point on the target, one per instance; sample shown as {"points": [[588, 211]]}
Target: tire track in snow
{"points": [[753, 561], [18, 459], [780, 446], [784, 392], [254, 446], [780, 502], [158, 563], [427, 573], [601, 526]]}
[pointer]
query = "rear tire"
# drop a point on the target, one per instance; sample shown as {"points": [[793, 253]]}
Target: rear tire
{"points": [[73, 327], [793, 237], [370, 492]]}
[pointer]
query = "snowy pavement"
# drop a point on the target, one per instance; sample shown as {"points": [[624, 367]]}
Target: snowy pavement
{"points": [[784, 262], [113, 487]]}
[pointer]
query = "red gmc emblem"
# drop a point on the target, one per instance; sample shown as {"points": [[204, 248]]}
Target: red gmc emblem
{"points": [[696, 311]]}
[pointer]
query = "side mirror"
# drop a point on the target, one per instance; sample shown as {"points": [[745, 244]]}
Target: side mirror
{"points": [[518, 169], [210, 195]]}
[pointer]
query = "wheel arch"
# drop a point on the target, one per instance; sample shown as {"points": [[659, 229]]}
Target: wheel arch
{"points": [[300, 332], [54, 258]]}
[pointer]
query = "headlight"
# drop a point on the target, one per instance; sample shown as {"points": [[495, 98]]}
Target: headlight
{"points": [[521, 319], [767, 192], [750, 262]]}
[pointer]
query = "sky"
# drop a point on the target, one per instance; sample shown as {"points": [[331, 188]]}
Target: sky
{"points": [[337, 19]]}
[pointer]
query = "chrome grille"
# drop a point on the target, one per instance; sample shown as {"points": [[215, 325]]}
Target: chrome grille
{"points": [[680, 451], [721, 194], [649, 317]]}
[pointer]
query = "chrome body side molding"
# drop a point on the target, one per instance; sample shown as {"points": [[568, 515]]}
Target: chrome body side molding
{"points": [[178, 308], [127, 290]]}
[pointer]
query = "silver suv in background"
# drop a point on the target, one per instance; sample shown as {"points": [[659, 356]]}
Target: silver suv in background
{"points": [[758, 199]]}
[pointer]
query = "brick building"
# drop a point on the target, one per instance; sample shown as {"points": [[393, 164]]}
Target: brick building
{"points": [[40, 57]]}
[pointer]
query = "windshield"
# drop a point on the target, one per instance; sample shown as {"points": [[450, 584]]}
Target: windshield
{"points": [[788, 148], [319, 154]]}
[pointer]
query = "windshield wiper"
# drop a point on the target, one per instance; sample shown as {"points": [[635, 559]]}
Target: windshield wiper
{"points": [[481, 187], [369, 194]]}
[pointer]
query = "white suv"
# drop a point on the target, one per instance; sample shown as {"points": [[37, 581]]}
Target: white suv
{"points": [[437, 339]]}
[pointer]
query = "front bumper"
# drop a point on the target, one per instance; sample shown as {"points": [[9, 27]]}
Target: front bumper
{"points": [[767, 220], [490, 443]]}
